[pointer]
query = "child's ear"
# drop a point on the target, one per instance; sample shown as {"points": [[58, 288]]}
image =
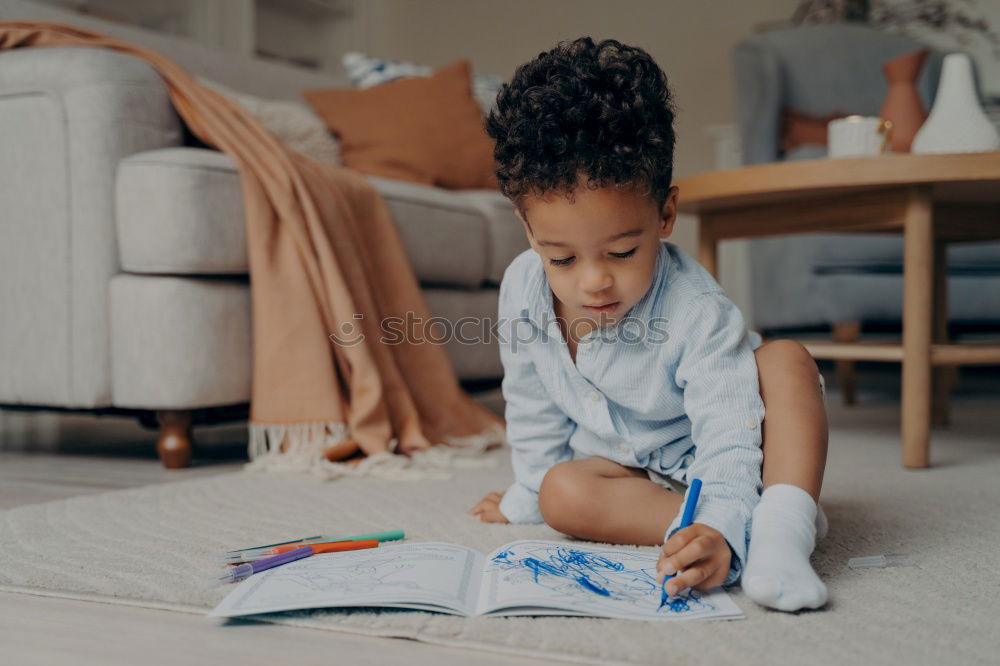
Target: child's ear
{"points": [[669, 213]]}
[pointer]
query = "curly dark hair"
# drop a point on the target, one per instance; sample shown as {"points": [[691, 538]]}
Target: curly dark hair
{"points": [[601, 111]]}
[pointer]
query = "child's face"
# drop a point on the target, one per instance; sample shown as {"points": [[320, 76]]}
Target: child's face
{"points": [[601, 249]]}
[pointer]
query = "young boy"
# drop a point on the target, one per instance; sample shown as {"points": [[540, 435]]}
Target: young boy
{"points": [[627, 371]]}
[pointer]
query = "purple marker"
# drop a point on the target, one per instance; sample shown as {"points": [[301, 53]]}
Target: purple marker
{"points": [[246, 570]]}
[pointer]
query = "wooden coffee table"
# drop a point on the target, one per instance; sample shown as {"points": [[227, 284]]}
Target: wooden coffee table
{"points": [[932, 200]]}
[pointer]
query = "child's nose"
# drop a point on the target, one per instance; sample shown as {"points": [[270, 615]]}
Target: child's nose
{"points": [[596, 280]]}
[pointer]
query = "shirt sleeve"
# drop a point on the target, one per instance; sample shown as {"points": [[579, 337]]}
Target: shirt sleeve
{"points": [[538, 431], [718, 374]]}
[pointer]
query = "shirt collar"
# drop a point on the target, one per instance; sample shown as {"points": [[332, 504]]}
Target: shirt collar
{"points": [[539, 308]]}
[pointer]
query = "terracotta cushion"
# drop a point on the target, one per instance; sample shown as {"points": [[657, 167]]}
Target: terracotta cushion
{"points": [[425, 130]]}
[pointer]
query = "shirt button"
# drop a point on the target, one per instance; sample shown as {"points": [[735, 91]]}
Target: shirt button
{"points": [[751, 423], [623, 447], [594, 396]]}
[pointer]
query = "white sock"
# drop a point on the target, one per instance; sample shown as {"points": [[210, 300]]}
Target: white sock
{"points": [[821, 525], [782, 536]]}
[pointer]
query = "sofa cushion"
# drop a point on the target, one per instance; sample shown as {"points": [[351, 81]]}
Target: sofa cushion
{"points": [[832, 270], [294, 124], [973, 296], [421, 129], [878, 254], [180, 211]]}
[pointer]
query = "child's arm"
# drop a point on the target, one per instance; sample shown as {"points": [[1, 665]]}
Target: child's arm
{"points": [[718, 375], [537, 429], [538, 432]]}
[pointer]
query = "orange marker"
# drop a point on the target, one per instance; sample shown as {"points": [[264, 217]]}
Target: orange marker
{"points": [[343, 545]]}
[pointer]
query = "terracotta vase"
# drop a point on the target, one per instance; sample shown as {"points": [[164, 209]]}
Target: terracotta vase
{"points": [[902, 103]]}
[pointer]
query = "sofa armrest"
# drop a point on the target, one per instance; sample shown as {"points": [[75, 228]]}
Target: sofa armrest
{"points": [[69, 115]]}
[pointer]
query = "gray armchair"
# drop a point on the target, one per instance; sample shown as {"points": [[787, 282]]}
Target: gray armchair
{"points": [[838, 280]]}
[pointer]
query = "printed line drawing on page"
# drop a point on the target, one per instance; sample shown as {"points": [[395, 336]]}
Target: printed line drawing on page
{"points": [[372, 574], [436, 573]]}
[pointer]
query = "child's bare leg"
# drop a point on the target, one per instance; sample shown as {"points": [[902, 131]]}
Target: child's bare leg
{"points": [[795, 428], [599, 500], [783, 532]]}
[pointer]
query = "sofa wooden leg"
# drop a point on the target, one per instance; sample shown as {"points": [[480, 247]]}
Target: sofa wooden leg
{"points": [[846, 331], [175, 443]]}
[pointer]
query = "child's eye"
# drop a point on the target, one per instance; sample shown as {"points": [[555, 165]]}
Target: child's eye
{"points": [[618, 255]]}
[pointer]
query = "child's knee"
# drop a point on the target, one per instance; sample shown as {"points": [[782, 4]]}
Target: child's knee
{"points": [[562, 495], [784, 356]]}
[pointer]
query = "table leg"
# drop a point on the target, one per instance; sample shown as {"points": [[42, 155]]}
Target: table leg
{"points": [[942, 376], [846, 331], [918, 292], [708, 247]]}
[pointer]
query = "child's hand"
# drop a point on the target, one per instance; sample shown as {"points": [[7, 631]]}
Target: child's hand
{"points": [[488, 509], [700, 553]]}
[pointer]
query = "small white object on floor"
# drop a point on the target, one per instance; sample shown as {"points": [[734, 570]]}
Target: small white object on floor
{"points": [[783, 534], [871, 561]]}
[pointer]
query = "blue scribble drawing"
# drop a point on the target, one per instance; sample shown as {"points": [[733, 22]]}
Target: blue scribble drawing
{"points": [[582, 574]]}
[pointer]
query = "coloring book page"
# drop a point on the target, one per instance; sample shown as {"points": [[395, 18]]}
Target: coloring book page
{"points": [[521, 578], [590, 581], [429, 576]]}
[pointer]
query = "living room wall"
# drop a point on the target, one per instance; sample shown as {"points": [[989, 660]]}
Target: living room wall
{"points": [[690, 40]]}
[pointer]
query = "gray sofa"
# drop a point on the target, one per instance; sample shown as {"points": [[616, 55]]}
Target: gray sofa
{"points": [[123, 270], [821, 279]]}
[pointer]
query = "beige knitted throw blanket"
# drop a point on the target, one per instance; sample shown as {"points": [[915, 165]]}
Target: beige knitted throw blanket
{"points": [[325, 262]]}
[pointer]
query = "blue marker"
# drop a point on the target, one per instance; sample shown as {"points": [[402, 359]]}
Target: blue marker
{"points": [[692, 500]]}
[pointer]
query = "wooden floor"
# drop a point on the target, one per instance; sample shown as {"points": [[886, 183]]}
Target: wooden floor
{"points": [[47, 456]]}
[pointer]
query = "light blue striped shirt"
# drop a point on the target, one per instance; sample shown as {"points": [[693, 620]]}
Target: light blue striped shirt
{"points": [[670, 387]]}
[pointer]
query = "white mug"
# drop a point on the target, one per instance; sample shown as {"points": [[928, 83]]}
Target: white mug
{"points": [[857, 136]]}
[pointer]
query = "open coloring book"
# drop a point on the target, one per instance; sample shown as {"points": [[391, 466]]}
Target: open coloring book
{"points": [[520, 578]]}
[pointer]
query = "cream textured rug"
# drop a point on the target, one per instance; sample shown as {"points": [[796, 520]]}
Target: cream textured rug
{"points": [[155, 546]]}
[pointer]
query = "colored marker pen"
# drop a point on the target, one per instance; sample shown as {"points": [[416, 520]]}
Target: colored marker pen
{"points": [[692, 500], [246, 570], [328, 547], [388, 535], [250, 568]]}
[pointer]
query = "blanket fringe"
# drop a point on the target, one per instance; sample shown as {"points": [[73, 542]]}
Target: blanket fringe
{"points": [[305, 443]]}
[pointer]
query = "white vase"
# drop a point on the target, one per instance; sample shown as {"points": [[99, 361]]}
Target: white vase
{"points": [[957, 123]]}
